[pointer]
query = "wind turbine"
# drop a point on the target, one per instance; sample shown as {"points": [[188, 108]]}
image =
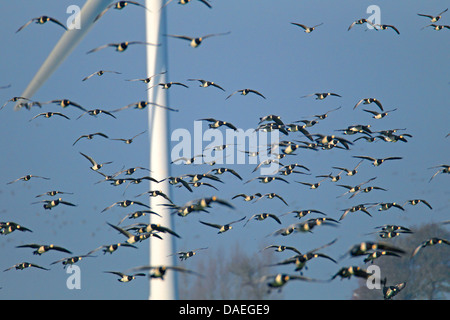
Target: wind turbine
{"points": [[158, 122]]}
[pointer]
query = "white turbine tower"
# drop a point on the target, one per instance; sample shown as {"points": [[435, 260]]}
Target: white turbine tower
{"points": [[159, 149], [158, 121]]}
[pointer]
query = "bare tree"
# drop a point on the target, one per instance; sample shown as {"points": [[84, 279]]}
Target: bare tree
{"points": [[427, 274], [228, 275]]}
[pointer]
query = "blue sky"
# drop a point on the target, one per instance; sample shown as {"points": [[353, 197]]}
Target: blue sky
{"points": [[263, 52]]}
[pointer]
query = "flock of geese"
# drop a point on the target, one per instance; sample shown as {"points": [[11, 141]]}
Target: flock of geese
{"points": [[300, 137]]}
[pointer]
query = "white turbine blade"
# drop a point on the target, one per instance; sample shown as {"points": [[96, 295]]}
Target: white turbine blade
{"points": [[159, 150], [65, 46]]}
